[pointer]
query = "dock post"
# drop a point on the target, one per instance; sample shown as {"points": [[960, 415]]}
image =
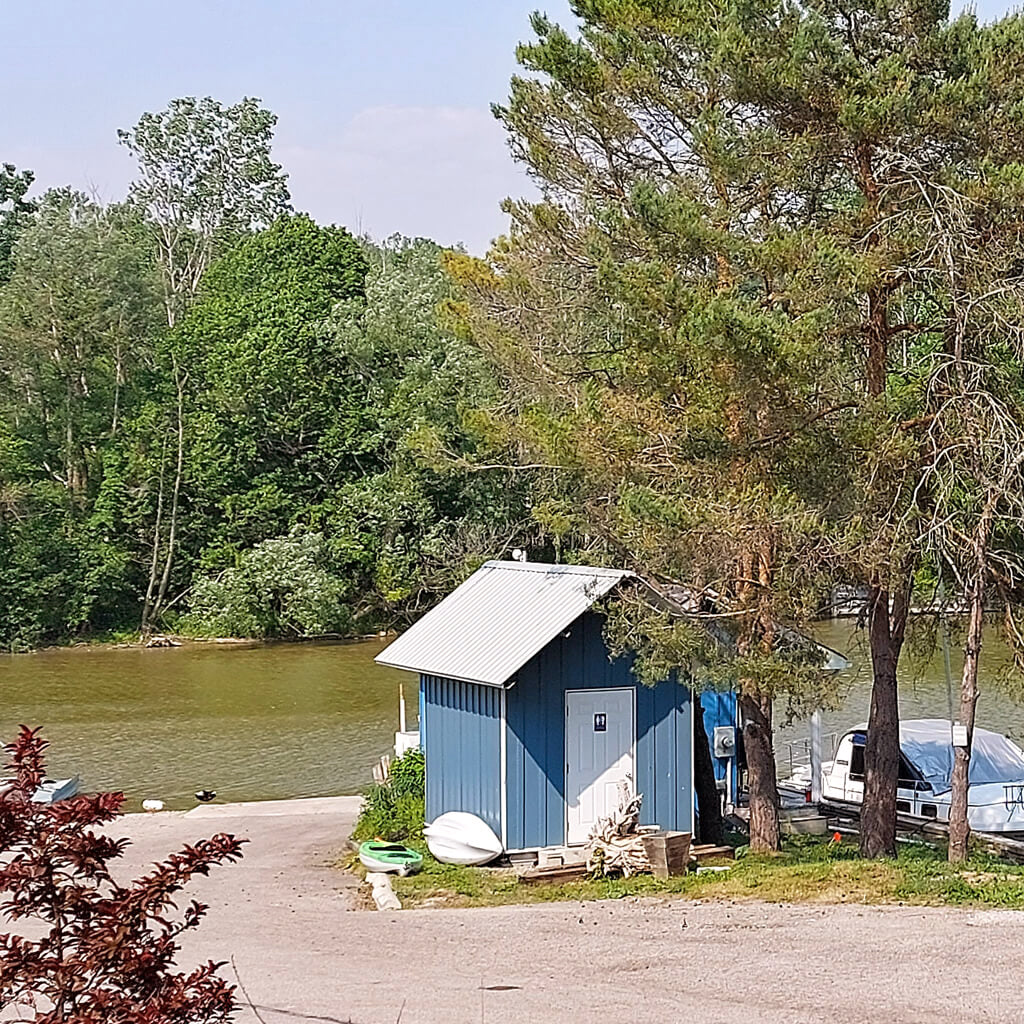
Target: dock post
{"points": [[816, 757]]}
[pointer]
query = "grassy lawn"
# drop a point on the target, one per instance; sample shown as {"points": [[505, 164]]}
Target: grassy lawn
{"points": [[809, 870]]}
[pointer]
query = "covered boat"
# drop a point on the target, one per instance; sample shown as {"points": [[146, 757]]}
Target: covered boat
{"points": [[995, 795], [458, 837]]}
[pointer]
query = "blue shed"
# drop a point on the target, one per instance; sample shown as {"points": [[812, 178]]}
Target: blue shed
{"points": [[528, 723]]}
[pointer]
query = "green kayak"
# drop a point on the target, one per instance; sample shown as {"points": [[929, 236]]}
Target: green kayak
{"points": [[378, 856]]}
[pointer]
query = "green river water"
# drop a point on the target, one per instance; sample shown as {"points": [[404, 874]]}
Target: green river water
{"points": [[292, 720], [256, 722]]}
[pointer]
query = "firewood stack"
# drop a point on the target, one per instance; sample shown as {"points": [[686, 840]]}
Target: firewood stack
{"points": [[616, 843]]}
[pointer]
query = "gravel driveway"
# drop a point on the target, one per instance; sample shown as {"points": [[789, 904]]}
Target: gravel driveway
{"points": [[305, 954]]}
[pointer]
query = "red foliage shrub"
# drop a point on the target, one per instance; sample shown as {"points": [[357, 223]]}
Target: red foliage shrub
{"points": [[107, 955]]}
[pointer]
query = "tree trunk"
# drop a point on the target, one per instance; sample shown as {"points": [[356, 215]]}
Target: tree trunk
{"points": [[709, 805], [959, 827], [145, 626], [882, 749], [886, 629], [762, 780], [172, 531]]}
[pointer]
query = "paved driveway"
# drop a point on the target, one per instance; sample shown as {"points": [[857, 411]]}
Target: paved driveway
{"points": [[305, 955]]}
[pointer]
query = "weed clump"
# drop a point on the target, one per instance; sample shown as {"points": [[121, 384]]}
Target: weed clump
{"points": [[395, 810]]}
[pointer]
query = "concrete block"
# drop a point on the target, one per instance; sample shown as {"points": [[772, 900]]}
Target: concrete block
{"points": [[804, 825]]}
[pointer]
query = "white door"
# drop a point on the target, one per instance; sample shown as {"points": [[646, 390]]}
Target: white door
{"points": [[599, 732]]}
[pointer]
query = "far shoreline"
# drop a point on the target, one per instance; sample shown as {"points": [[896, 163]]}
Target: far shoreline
{"points": [[171, 641]]}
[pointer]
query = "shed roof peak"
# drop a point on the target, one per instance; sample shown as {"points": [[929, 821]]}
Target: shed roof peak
{"points": [[557, 567], [498, 619]]}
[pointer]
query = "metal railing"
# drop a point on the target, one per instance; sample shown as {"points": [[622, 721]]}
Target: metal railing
{"points": [[1013, 795], [798, 752]]}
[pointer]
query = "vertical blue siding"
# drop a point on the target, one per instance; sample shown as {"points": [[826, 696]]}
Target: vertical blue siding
{"points": [[664, 757], [461, 733], [536, 737], [720, 709]]}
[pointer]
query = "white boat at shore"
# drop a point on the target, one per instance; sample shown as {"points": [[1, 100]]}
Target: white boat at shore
{"points": [[50, 790], [995, 796], [461, 838]]}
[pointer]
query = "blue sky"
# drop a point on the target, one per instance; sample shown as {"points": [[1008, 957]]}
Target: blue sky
{"points": [[383, 107]]}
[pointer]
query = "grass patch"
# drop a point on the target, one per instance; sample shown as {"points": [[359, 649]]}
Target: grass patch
{"points": [[808, 870]]}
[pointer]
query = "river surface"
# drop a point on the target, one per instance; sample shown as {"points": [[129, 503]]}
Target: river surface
{"points": [[257, 722], [293, 720]]}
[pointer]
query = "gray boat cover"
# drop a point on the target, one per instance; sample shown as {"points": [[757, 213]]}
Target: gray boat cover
{"points": [[928, 744]]}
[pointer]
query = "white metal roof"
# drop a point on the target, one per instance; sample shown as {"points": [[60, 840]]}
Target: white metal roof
{"points": [[491, 625]]}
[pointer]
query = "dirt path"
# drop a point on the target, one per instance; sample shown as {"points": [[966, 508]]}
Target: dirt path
{"points": [[305, 955]]}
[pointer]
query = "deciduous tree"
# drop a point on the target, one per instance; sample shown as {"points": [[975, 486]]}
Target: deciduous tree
{"points": [[205, 176], [971, 489], [15, 211]]}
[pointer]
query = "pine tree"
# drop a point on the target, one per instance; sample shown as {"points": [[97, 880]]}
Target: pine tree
{"points": [[720, 319]]}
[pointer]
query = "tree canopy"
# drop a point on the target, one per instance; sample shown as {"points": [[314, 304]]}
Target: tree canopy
{"points": [[294, 412], [723, 319], [758, 336], [15, 210]]}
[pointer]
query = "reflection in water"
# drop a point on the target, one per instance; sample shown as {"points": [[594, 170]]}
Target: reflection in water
{"points": [[923, 690], [251, 722]]}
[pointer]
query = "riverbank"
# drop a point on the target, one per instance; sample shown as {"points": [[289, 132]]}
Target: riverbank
{"points": [[287, 921], [134, 640]]}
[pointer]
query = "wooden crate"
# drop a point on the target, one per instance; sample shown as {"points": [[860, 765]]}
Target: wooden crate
{"points": [[668, 852]]}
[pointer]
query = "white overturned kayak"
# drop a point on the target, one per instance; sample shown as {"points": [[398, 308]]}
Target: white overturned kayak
{"points": [[462, 838]]}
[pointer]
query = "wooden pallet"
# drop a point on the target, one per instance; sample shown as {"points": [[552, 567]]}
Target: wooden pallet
{"points": [[708, 851], [556, 874]]}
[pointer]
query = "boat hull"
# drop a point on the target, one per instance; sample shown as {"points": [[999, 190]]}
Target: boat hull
{"points": [[50, 791], [995, 798], [390, 858], [461, 838]]}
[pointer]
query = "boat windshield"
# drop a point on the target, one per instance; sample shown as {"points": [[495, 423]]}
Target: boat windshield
{"points": [[928, 745]]}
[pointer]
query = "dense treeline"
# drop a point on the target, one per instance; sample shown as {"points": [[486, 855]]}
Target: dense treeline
{"points": [[220, 417]]}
